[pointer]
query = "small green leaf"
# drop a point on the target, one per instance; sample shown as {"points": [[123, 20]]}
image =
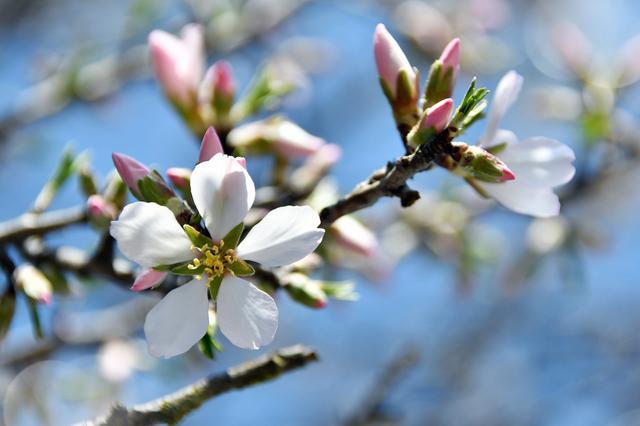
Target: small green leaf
{"points": [[35, 318], [214, 286]]}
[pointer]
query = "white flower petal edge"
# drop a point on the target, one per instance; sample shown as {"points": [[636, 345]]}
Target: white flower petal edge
{"points": [[506, 94], [223, 193], [524, 199], [150, 235], [247, 316], [540, 162], [283, 236], [179, 320]]}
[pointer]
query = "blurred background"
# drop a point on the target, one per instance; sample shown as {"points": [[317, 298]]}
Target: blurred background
{"points": [[471, 316]]}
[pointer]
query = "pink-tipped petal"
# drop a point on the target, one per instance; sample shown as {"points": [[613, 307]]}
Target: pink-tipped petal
{"points": [[148, 278], [507, 174], [390, 58], [450, 57], [210, 145], [437, 117], [129, 169], [242, 161]]}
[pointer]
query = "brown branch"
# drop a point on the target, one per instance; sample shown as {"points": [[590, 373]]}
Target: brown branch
{"points": [[29, 224], [390, 181], [172, 408]]}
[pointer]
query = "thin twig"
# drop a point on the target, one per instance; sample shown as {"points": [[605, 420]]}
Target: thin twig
{"points": [[29, 224], [172, 408]]}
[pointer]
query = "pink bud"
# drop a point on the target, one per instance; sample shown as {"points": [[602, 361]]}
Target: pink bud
{"points": [[242, 161], [210, 145], [179, 62], [353, 236], [148, 278], [220, 76], [130, 170], [99, 208], [437, 117], [506, 173], [450, 57], [319, 304], [33, 282], [179, 177], [325, 157], [390, 59]]}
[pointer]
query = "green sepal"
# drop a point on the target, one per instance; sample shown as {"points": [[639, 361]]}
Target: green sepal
{"points": [[405, 88], [214, 287], [35, 318], [340, 290], [208, 344], [154, 189], [197, 238], [232, 239], [181, 268], [497, 149], [386, 89], [473, 184], [241, 268]]}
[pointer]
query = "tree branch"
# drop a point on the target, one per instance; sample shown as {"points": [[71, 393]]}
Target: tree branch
{"points": [[30, 223], [172, 408], [391, 181]]}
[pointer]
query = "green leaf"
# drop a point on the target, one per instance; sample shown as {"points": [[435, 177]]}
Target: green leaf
{"points": [[471, 108], [233, 237], [153, 188], [67, 165], [35, 318]]}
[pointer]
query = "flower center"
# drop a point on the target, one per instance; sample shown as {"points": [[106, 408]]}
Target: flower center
{"points": [[214, 259]]}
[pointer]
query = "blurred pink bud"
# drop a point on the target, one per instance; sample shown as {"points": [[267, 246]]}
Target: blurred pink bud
{"points": [[353, 236], [437, 117], [450, 57], [179, 62], [220, 76], [507, 174], [179, 177], [325, 157], [148, 278], [390, 59], [130, 170], [573, 46], [99, 208], [210, 145], [242, 161]]}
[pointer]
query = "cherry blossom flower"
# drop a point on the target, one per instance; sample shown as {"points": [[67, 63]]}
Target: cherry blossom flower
{"points": [[223, 193], [539, 164]]}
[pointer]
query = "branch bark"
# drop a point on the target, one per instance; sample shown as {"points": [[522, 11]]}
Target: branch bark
{"points": [[172, 408], [29, 223]]}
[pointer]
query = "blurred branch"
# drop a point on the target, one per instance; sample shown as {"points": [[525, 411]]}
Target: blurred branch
{"points": [[172, 408], [29, 224]]}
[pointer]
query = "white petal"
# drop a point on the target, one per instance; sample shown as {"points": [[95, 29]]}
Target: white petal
{"points": [[540, 162], [247, 316], [223, 193], [506, 94], [283, 236], [179, 321], [524, 199], [149, 234]]}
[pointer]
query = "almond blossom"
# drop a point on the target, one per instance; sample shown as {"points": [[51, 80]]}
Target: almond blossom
{"points": [[538, 163], [223, 192]]}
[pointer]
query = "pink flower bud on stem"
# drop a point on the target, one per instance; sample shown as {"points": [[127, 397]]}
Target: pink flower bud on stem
{"points": [[33, 282], [180, 177], [130, 170], [218, 89], [304, 290], [471, 161], [399, 80], [100, 211], [442, 75], [433, 121]]}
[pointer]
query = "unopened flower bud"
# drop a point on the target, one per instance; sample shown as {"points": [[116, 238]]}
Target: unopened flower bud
{"points": [[275, 135], [398, 78], [475, 162], [442, 75], [218, 88], [148, 278], [210, 145], [145, 184], [88, 181], [353, 236], [179, 63], [433, 121], [33, 282], [305, 290], [100, 211], [180, 177]]}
